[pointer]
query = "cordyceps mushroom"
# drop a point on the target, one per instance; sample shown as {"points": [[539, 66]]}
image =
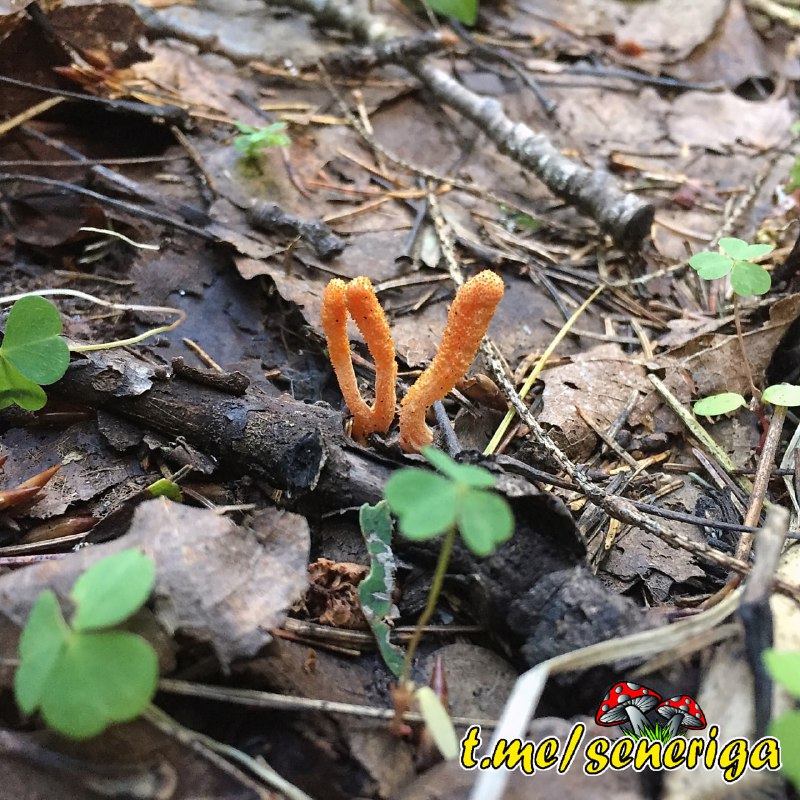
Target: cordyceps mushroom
{"points": [[467, 323], [358, 299]]}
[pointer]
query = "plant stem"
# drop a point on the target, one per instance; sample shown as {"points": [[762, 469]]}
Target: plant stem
{"points": [[433, 596], [740, 336]]}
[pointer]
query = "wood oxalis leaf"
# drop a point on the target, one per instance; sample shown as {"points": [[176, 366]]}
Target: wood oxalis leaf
{"points": [[32, 342]]}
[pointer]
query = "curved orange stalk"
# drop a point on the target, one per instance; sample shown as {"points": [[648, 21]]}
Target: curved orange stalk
{"points": [[366, 311], [467, 323], [358, 297]]}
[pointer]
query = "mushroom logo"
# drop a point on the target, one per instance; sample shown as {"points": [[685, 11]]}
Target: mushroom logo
{"points": [[627, 703], [682, 712]]}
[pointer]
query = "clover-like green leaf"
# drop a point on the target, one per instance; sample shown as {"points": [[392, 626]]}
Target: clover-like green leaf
{"points": [[748, 278], [100, 678], [739, 250], [40, 646], [784, 667], [782, 394], [735, 248], [424, 503], [484, 520], [438, 722], [786, 728], [465, 474], [717, 404], [32, 341], [112, 589], [465, 11], [710, 266], [15, 388]]}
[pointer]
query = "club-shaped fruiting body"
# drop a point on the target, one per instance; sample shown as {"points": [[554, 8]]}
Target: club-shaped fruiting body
{"points": [[467, 322]]}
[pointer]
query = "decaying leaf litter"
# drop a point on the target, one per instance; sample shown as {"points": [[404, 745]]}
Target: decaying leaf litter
{"points": [[406, 165]]}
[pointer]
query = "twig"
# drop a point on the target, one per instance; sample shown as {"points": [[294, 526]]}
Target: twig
{"points": [[697, 430], [452, 444], [593, 192], [271, 217], [615, 506], [534, 374], [622, 215], [354, 60], [153, 215], [498, 54], [511, 464], [280, 702], [213, 751], [761, 481]]}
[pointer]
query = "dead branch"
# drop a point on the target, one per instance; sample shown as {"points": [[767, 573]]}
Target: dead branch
{"points": [[593, 192]]}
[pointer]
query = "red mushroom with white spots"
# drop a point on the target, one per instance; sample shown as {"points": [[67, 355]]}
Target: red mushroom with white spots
{"points": [[627, 703], [682, 712]]}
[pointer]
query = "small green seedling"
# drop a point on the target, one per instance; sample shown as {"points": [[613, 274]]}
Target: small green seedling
{"points": [[33, 353], [254, 140], [785, 670], [519, 221], [465, 11], [779, 394], [428, 504], [717, 404], [85, 675], [736, 257]]}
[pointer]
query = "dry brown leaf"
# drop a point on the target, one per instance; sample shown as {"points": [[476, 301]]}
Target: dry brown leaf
{"points": [[715, 360], [721, 121], [215, 581], [598, 380]]}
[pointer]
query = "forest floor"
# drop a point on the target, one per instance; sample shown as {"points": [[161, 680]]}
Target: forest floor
{"points": [[204, 170]]}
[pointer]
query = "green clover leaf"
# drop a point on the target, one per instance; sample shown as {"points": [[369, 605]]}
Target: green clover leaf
{"points": [[710, 266], [748, 278], [32, 341], [786, 729], [425, 504], [82, 680], [16, 388], [739, 250], [784, 667], [40, 647], [99, 678], [485, 521], [111, 590], [465, 474]]}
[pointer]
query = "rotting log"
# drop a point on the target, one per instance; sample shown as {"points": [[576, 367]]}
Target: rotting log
{"points": [[303, 450], [298, 448]]}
